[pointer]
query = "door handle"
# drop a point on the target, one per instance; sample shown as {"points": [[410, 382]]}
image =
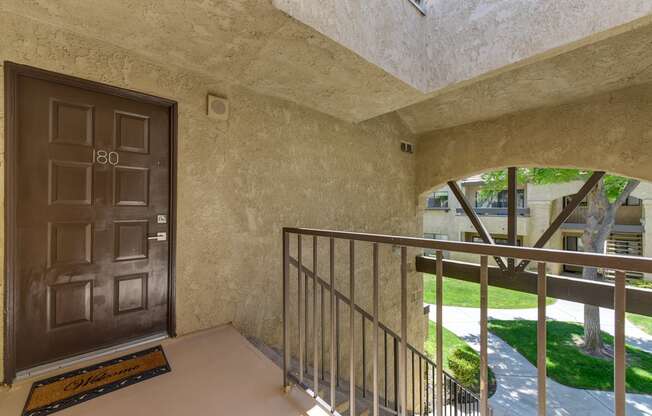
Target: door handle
{"points": [[160, 236]]}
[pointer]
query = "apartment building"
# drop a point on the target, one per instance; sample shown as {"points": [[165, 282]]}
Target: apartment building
{"points": [[537, 206]]}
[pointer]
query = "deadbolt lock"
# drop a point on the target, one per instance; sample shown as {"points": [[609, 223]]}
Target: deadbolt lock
{"points": [[160, 236]]}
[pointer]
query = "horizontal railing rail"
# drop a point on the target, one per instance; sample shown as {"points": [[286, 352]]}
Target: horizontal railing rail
{"points": [[577, 258], [574, 289], [444, 395]]}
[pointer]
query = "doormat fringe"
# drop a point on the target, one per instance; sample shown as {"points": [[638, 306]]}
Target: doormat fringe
{"points": [[78, 386]]}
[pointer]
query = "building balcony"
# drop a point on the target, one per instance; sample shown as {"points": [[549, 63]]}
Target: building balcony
{"points": [[498, 212]]}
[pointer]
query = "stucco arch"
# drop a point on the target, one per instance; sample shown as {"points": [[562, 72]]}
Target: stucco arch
{"points": [[611, 132]]}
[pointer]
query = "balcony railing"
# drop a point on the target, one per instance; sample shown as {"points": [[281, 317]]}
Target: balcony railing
{"points": [[494, 211], [626, 215], [421, 387]]}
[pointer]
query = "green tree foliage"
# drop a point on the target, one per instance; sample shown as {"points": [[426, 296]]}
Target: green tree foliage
{"points": [[606, 197], [496, 181]]}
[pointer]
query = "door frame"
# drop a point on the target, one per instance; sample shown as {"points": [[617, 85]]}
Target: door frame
{"points": [[11, 73]]}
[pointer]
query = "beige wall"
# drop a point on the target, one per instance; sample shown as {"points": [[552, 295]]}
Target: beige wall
{"points": [[273, 164], [611, 132]]}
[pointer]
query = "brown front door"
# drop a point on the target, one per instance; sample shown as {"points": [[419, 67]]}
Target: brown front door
{"points": [[92, 190]]}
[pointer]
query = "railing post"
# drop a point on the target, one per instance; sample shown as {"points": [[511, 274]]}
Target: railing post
{"points": [[620, 363], [352, 327], [300, 306], [376, 301], [333, 311], [315, 367], [404, 333], [541, 338], [286, 308], [484, 369], [439, 349]]}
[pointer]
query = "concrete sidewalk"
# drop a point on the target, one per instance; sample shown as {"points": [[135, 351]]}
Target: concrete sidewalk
{"points": [[516, 377]]}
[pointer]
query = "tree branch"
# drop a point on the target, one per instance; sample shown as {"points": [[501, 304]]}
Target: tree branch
{"points": [[610, 216]]}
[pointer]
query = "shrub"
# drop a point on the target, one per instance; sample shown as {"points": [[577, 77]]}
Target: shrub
{"points": [[465, 365]]}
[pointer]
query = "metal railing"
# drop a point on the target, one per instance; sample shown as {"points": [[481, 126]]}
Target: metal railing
{"points": [[432, 391], [459, 399], [523, 212]]}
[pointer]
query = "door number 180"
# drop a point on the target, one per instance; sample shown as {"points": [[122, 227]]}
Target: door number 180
{"points": [[103, 157]]}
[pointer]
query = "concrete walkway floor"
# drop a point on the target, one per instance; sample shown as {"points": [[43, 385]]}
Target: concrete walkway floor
{"points": [[516, 377], [214, 372]]}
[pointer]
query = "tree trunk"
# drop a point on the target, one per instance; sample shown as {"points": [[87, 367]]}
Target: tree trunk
{"points": [[597, 205], [592, 335], [600, 219]]}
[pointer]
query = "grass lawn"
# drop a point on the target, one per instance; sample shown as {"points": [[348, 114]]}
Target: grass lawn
{"points": [[460, 293], [643, 322], [567, 364], [452, 342]]}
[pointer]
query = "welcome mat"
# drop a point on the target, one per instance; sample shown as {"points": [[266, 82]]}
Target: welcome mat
{"points": [[65, 390]]}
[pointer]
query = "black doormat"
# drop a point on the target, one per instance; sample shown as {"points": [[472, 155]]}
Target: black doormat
{"points": [[65, 390]]}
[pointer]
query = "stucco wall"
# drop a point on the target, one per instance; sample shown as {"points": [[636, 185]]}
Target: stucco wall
{"points": [[273, 164], [611, 132], [491, 35]]}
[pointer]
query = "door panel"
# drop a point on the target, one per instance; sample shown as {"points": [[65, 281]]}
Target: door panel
{"points": [[93, 173]]}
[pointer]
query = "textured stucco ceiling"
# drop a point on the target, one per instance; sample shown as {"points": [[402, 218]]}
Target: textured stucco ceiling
{"points": [[246, 42], [614, 63], [253, 44]]}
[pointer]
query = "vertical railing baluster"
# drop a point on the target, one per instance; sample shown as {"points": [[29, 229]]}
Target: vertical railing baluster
{"points": [[352, 327], [404, 317], [420, 385], [542, 292], [376, 301], [396, 383], [364, 357], [484, 370], [323, 331], [315, 352], [620, 363], [306, 321], [427, 403], [413, 384], [386, 379], [337, 338], [300, 306], [439, 349], [333, 312], [286, 308]]}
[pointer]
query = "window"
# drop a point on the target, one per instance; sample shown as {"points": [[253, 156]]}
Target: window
{"points": [[419, 4], [567, 200], [498, 239], [499, 200], [573, 243], [438, 200], [632, 201]]}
